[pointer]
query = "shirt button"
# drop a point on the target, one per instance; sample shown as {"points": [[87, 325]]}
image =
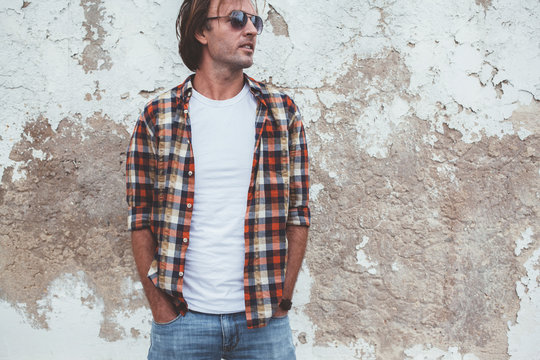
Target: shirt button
{"points": [[189, 206], [185, 240], [180, 274], [190, 173]]}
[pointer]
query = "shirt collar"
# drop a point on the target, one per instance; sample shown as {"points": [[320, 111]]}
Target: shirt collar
{"points": [[184, 90]]}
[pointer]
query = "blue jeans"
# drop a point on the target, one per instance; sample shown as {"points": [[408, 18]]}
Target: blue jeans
{"points": [[198, 336]]}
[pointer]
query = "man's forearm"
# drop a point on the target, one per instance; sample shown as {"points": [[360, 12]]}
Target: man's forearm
{"points": [[297, 240], [144, 247]]}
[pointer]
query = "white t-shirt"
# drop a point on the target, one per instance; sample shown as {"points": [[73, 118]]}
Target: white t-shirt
{"points": [[223, 140]]}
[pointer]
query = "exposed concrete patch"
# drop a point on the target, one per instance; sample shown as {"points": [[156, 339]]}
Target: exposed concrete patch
{"points": [[368, 77], [151, 93], [94, 57], [485, 3], [523, 334], [526, 119], [376, 101], [67, 215], [453, 238], [279, 26], [304, 329]]}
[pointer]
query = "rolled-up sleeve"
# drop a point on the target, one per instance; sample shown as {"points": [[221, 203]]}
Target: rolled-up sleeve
{"points": [[140, 172], [299, 213]]}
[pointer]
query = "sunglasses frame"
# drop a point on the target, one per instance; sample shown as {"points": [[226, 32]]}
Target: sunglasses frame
{"points": [[239, 24]]}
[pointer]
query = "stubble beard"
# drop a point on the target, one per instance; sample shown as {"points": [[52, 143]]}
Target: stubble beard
{"points": [[241, 63], [236, 60]]}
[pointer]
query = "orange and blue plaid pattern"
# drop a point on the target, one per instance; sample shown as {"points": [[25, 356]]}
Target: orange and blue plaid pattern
{"points": [[160, 181]]}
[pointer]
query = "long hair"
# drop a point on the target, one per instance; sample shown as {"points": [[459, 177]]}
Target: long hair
{"points": [[191, 20]]}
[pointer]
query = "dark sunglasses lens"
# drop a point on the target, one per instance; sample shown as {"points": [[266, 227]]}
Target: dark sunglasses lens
{"points": [[258, 23], [238, 19]]}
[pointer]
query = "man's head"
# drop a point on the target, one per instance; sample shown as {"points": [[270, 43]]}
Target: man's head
{"points": [[221, 31]]}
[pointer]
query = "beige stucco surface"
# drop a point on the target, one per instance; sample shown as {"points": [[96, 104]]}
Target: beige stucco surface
{"points": [[423, 127]]}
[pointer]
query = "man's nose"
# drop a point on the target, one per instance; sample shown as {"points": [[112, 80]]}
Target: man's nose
{"points": [[250, 28]]}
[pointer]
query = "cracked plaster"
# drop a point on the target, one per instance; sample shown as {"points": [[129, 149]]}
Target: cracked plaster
{"points": [[422, 120]]}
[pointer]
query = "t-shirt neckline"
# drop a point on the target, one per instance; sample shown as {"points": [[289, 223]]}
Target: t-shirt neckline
{"points": [[220, 103]]}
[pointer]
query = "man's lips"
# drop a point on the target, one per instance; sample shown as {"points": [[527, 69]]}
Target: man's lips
{"points": [[248, 46]]}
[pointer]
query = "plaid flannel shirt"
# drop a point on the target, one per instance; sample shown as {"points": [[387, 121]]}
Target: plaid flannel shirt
{"points": [[160, 185]]}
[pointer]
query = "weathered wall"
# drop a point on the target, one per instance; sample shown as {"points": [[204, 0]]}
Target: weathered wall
{"points": [[423, 124]]}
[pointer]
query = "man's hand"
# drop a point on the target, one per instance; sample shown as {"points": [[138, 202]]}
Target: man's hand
{"points": [[164, 312], [297, 239], [144, 246], [280, 313]]}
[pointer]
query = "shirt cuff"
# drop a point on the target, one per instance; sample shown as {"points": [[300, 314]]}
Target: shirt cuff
{"points": [[138, 218], [299, 216]]}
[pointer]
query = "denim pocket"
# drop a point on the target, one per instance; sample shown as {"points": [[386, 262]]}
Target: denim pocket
{"points": [[168, 322]]}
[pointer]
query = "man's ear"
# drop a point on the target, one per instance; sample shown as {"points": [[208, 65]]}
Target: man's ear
{"points": [[201, 36]]}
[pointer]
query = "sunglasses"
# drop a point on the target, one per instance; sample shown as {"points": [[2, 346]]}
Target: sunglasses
{"points": [[239, 19]]}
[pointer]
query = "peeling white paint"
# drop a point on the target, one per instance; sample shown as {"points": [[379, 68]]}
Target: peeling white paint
{"points": [[524, 133], [330, 98], [38, 154], [524, 334], [19, 173], [74, 315], [326, 137], [470, 68], [360, 350], [451, 44], [429, 352], [314, 191], [377, 123], [308, 57], [309, 105], [363, 259], [452, 62], [52, 83], [448, 171], [523, 242]]}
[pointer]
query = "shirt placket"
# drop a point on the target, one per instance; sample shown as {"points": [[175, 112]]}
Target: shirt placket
{"points": [[189, 177], [252, 238]]}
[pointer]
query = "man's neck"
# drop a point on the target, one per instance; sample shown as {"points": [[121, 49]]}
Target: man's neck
{"points": [[218, 85]]}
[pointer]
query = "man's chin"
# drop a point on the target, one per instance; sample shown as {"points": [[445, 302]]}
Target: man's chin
{"points": [[246, 60], [246, 64], [243, 63]]}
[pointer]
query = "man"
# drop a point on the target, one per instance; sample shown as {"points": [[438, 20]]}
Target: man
{"points": [[217, 188]]}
